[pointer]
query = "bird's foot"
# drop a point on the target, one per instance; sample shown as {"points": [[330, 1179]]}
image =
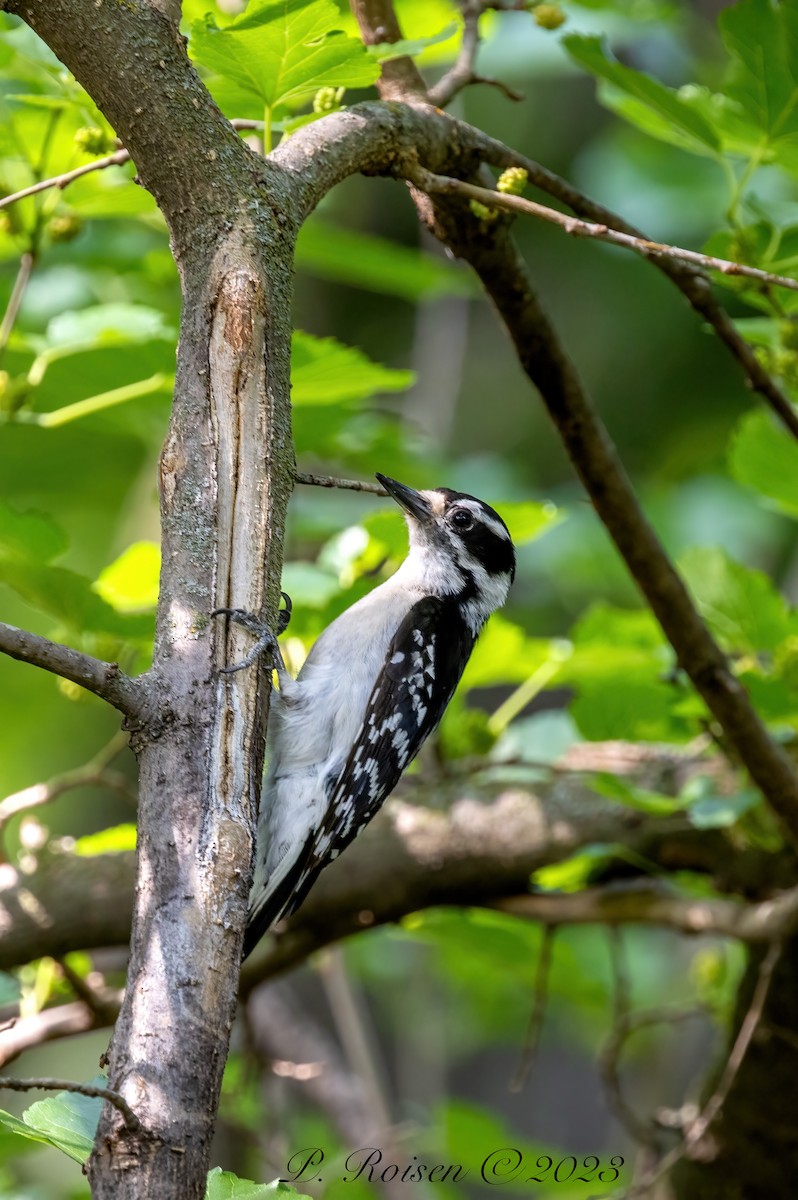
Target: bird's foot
{"points": [[266, 640]]}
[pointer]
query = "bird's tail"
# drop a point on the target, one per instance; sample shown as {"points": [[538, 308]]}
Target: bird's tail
{"points": [[281, 894]]}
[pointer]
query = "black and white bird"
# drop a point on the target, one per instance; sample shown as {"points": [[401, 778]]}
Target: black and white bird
{"points": [[373, 687]]}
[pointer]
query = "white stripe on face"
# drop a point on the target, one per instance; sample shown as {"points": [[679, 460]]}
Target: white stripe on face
{"points": [[480, 514], [435, 501]]}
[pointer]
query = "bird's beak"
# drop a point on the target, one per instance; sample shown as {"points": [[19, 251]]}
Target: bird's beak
{"points": [[408, 499]]}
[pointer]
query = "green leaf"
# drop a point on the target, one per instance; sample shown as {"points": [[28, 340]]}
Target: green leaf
{"points": [[741, 605], [664, 106], [616, 788], [620, 668], [9, 989], [527, 519], [284, 50], [309, 584], [573, 874], [504, 653], [763, 456], [67, 1121], [70, 598], [29, 535], [363, 260], [762, 40], [130, 583], [323, 371], [116, 840], [224, 1185], [542, 738], [408, 47], [707, 810], [107, 325]]}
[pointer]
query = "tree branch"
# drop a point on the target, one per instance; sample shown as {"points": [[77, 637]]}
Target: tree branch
{"points": [[132, 1122], [65, 1020], [103, 679], [95, 773], [493, 255], [463, 74], [693, 285], [590, 448], [15, 299], [62, 181], [330, 481], [446, 185], [479, 852], [117, 159]]}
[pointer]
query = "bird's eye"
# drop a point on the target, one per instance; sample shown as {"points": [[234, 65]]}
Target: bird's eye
{"points": [[462, 520]]}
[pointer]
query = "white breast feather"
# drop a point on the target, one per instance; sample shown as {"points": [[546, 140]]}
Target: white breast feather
{"points": [[315, 718]]}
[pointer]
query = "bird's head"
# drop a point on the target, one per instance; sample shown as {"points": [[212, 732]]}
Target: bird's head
{"points": [[459, 547]]}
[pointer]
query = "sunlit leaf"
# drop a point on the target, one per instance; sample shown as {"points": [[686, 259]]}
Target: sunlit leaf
{"points": [[384, 51], [108, 324], [505, 654], [763, 456], [309, 584], [527, 519], [374, 263], [70, 598], [29, 535], [323, 371], [116, 840], [741, 605], [662, 102], [224, 1185], [67, 1121], [130, 583], [284, 49]]}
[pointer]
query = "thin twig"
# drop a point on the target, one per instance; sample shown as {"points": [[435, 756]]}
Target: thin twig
{"points": [[691, 282], [428, 182], [103, 679], [102, 1003], [609, 1058], [15, 299], [505, 276], [65, 1020], [540, 995], [650, 905], [330, 481], [94, 773], [350, 1024], [714, 1105], [62, 181], [132, 1122], [117, 159], [463, 74]]}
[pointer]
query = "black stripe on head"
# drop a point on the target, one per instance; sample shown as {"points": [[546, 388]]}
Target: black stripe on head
{"points": [[491, 546]]}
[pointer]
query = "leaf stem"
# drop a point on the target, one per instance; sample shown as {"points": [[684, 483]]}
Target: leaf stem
{"points": [[93, 404], [517, 701]]}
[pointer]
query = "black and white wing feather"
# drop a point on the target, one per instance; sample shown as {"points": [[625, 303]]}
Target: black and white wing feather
{"points": [[422, 668]]}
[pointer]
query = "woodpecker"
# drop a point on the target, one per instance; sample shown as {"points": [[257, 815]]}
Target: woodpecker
{"points": [[373, 687]]}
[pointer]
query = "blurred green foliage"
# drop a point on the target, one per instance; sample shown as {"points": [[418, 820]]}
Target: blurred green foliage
{"points": [[397, 366]]}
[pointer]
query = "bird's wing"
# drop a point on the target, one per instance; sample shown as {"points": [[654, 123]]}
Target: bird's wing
{"points": [[421, 670]]}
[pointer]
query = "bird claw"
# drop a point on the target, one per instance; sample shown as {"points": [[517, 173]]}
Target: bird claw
{"points": [[266, 640]]}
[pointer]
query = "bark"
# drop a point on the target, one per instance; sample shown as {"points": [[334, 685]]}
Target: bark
{"points": [[752, 1149], [226, 474]]}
